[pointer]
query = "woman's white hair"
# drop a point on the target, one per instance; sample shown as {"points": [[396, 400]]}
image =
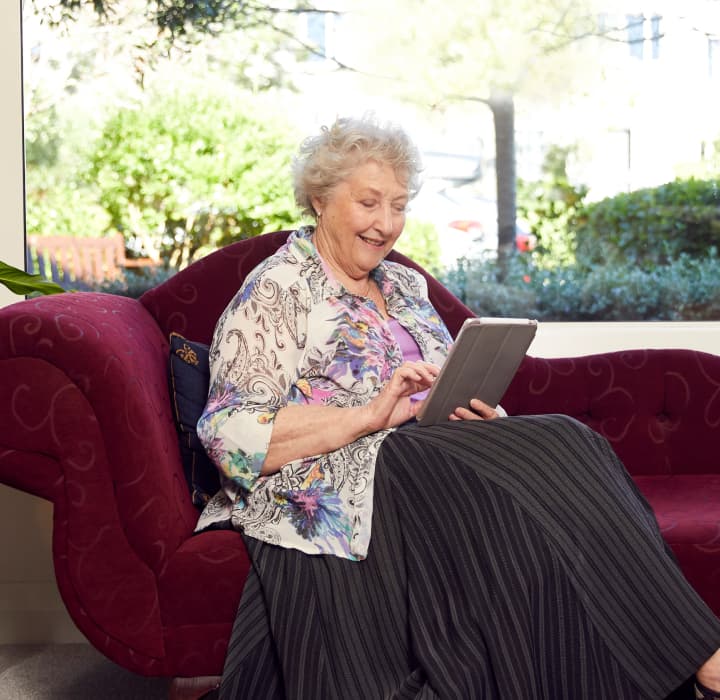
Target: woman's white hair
{"points": [[330, 157]]}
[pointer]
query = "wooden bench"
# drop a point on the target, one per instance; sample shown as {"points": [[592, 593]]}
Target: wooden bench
{"points": [[81, 262]]}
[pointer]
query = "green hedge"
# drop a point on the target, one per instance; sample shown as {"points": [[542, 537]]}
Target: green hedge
{"points": [[651, 227], [686, 289]]}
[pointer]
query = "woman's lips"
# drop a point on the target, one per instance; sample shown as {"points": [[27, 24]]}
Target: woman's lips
{"points": [[370, 241]]}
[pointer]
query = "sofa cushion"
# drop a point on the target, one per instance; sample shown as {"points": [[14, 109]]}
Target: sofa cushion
{"points": [[189, 382], [687, 508]]}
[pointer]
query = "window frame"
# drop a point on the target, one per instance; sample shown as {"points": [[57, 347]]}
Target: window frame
{"points": [[12, 172]]}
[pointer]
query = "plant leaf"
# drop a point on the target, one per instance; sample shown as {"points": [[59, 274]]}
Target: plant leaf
{"points": [[21, 282]]}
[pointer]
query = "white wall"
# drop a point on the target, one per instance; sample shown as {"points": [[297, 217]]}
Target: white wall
{"points": [[571, 339]]}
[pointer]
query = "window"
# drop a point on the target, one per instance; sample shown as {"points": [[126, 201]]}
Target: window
{"points": [[636, 35], [317, 34], [275, 69], [655, 36], [713, 58]]}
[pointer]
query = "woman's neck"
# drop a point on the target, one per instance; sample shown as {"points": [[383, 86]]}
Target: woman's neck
{"points": [[358, 286], [364, 286]]}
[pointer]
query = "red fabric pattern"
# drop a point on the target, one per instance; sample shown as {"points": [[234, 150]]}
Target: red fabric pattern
{"points": [[657, 407], [85, 421]]}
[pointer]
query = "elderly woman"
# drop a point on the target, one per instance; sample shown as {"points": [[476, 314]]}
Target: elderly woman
{"points": [[479, 558]]}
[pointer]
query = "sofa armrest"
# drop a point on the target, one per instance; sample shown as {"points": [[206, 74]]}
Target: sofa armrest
{"points": [[85, 421]]}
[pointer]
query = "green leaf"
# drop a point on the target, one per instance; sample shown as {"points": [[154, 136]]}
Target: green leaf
{"points": [[21, 282]]}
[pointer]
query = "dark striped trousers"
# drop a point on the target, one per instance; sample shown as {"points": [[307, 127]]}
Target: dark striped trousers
{"points": [[511, 559]]}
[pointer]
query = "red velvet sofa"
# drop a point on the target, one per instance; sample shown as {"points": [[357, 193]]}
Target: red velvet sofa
{"points": [[86, 422]]}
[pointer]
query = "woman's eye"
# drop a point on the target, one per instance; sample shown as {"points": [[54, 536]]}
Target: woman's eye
{"points": [[400, 208], [368, 204]]}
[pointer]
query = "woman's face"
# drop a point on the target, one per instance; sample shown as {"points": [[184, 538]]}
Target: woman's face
{"points": [[361, 219]]}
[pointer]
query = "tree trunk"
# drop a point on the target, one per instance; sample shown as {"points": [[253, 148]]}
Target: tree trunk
{"points": [[503, 110]]}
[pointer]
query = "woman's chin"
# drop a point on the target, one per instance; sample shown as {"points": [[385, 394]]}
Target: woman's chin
{"points": [[369, 260], [376, 253]]}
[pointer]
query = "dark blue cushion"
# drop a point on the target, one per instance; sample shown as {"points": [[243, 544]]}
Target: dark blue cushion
{"points": [[189, 383]]}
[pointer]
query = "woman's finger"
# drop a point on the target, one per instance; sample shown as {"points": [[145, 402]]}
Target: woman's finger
{"points": [[483, 410], [423, 373], [478, 410], [461, 413]]}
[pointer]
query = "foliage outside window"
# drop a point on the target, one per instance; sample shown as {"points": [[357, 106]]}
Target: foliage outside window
{"points": [[184, 174], [651, 254], [174, 123]]}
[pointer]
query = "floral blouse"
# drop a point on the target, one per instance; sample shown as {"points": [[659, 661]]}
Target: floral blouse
{"points": [[294, 335]]}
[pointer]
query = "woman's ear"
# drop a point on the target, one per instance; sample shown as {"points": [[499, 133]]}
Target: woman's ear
{"points": [[317, 205]]}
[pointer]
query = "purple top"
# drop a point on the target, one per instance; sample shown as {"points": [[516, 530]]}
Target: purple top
{"points": [[409, 348]]}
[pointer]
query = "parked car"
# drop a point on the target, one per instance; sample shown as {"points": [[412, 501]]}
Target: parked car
{"points": [[466, 223]]}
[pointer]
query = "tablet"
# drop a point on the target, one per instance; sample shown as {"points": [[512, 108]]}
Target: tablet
{"points": [[481, 363]]}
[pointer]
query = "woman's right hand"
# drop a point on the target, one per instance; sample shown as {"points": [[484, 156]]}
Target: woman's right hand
{"points": [[392, 406], [302, 431]]}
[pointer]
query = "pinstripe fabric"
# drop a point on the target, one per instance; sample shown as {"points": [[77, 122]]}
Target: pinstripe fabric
{"points": [[509, 559]]}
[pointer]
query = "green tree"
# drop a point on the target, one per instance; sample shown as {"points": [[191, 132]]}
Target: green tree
{"points": [[175, 18], [181, 174], [419, 241], [75, 41], [93, 59], [553, 207], [493, 53]]}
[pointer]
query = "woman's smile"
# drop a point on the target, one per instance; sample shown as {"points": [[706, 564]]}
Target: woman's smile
{"points": [[372, 242]]}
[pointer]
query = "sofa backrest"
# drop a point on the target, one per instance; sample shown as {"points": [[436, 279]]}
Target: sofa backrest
{"points": [[659, 408], [191, 301]]}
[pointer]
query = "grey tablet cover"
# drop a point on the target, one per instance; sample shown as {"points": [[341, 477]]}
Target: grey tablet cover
{"points": [[482, 362]]}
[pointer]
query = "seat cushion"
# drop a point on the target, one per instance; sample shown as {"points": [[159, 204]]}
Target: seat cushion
{"points": [[687, 508]]}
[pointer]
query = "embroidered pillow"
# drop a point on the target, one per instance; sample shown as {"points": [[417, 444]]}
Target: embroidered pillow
{"points": [[189, 383]]}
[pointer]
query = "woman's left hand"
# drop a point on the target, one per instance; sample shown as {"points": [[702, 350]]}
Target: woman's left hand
{"points": [[478, 411]]}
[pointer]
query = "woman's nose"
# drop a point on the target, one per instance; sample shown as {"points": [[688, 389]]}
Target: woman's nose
{"points": [[385, 219]]}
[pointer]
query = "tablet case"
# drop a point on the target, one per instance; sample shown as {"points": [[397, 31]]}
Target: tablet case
{"points": [[481, 364]]}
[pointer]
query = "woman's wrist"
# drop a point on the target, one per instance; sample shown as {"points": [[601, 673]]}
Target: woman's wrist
{"points": [[365, 420]]}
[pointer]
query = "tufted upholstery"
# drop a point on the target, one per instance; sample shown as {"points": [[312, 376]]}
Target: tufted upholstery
{"points": [[86, 422]]}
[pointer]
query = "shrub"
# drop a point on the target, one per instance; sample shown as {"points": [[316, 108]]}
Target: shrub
{"points": [[183, 173], [62, 206], [553, 209], [686, 289], [134, 283], [652, 227], [58, 200], [475, 283]]}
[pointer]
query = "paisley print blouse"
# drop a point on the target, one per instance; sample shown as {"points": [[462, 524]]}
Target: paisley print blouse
{"points": [[294, 335]]}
